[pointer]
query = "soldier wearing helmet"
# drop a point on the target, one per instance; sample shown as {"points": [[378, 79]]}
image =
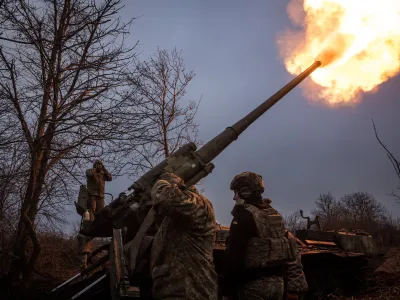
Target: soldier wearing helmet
{"points": [[259, 250], [248, 186]]}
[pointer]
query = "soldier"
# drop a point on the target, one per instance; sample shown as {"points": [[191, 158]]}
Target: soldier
{"points": [[96, 178], [182, 252], [254, 269]]}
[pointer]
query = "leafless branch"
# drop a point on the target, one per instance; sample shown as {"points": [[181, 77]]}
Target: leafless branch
{"points": [[392, 158], [161, 82]]}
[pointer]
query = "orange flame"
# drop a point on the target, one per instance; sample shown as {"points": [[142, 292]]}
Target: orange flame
{"points": [[357, 42]]}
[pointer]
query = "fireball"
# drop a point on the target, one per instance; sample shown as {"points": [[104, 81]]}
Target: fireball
{"points": [[357, 42]]}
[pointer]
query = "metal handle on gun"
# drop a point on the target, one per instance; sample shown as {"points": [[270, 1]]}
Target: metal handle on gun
{"points": [[100, 262], [88, 287]]}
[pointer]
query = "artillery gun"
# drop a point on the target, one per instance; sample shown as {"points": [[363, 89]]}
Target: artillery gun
{"points": [[128, 220]]}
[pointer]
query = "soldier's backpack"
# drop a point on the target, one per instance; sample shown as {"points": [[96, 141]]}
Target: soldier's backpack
{"points": [[83, 199]]}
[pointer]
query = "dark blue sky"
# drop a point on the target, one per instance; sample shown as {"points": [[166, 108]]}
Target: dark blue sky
{"points": [[300, 148]]}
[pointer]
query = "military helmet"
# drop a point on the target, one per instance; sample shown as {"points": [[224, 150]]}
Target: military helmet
{"points": [[98, 164], [250, 180]]}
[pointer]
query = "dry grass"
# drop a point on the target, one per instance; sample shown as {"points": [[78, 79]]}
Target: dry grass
{"points": [[59, 258]]}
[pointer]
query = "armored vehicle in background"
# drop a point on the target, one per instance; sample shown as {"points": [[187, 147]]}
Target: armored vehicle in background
{"points": [[334, 261], [339, 261]]}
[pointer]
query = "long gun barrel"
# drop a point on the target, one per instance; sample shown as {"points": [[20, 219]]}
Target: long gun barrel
{"points": [[214, 147]]}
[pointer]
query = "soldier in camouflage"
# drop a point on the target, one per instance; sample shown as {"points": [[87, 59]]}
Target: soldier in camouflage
{"points": [[182, 252], [96, 178], [259, 250]]}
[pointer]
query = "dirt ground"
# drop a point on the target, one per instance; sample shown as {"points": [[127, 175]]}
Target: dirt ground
{"points": [[40, 291], [386, 284]]}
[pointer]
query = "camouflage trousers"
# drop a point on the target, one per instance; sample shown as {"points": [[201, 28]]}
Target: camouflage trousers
{"points": [[267, 288], [95, 203], [85, 245]]}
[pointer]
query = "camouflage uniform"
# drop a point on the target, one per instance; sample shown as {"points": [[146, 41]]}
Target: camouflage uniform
{"points": [[182, 252], [255, 275], [271, 288], [296, 282], [85, 245], [96, 178]]}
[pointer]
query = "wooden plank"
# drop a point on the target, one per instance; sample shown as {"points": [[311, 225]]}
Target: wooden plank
{"points": [[322, 243]]}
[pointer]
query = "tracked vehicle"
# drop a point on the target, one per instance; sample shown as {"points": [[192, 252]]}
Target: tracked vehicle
{"points": [[333, 261]]}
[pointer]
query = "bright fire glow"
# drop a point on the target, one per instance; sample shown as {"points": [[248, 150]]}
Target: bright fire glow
{"points": [[357, 42]]}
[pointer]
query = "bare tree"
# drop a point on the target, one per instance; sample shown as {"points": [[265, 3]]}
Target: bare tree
{"points": [[356, 210], [392, 158], [294, 222], [13, 174], [161, 83], [63, 67], [363, 210], [327, 208]]}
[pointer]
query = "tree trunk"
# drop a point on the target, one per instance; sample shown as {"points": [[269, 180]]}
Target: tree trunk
{"points": [[23, 266]]}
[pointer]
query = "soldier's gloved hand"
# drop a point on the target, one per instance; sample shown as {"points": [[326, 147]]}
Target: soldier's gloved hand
{"points": [[193, 189], [290, 296], [267, 200], [172, 178]]}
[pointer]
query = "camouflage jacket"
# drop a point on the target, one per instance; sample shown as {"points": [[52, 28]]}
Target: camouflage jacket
{"points": [[296, 280], [182, 252], [96, 181]]}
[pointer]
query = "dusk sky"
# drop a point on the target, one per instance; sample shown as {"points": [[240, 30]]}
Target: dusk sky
{"points": [[300, 148]]}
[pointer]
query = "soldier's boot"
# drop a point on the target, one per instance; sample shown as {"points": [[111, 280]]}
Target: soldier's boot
{"points": [[105, 266]]}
